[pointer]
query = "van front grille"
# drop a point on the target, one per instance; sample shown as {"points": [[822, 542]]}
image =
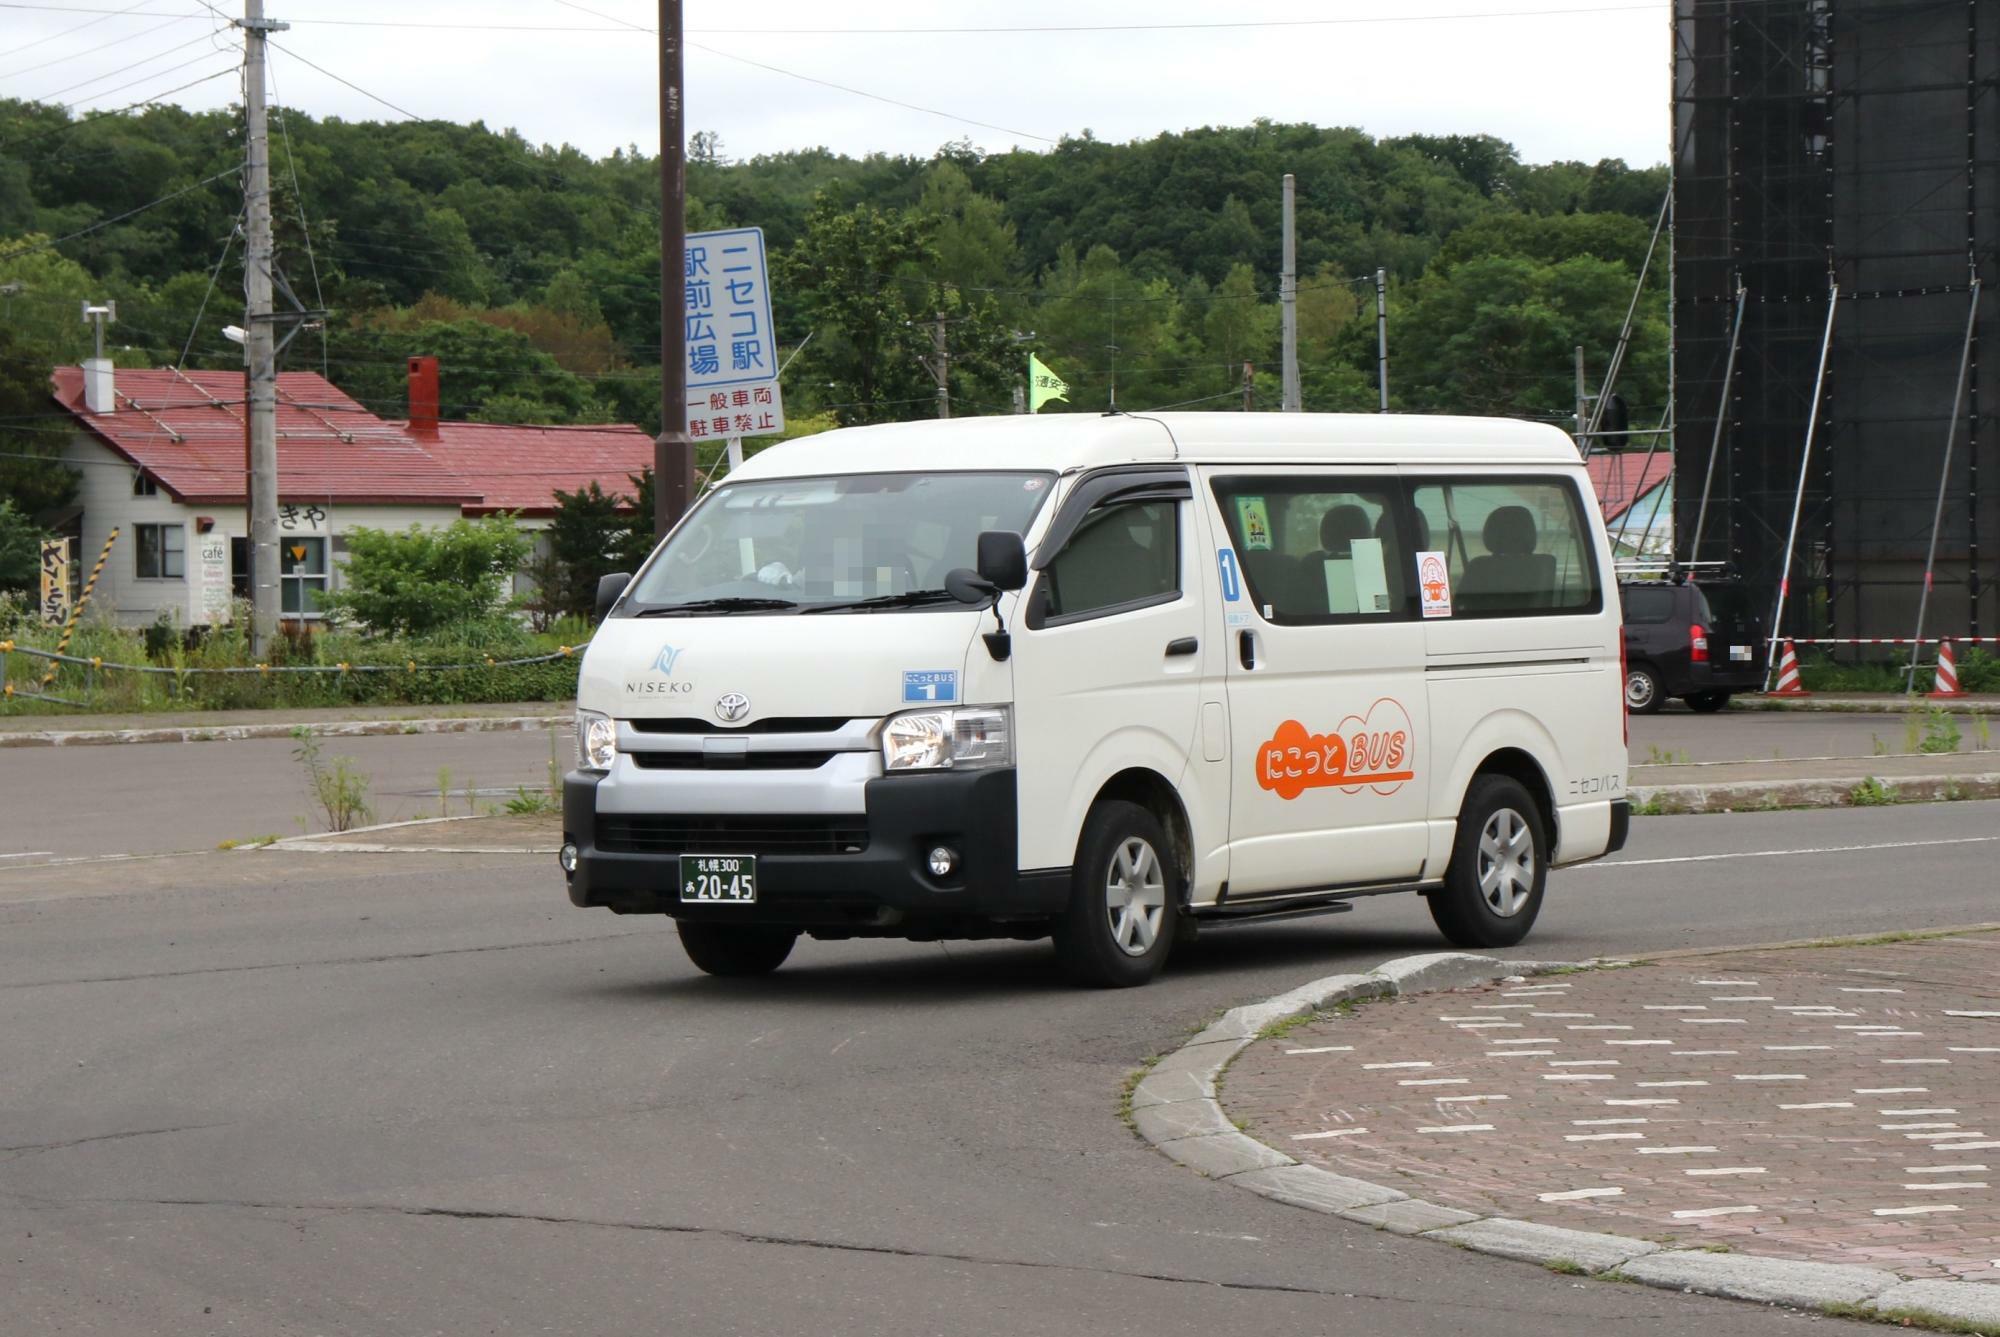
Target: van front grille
{"points": [[732, 833], [731, 761]]}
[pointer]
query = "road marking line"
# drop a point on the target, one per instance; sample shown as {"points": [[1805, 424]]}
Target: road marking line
{"points": [[1814, 1010], [1676, 1151], [1848, 988], [1916, 1211], [1592, 1123], [1537, 991], [1950, 1013], [1934, 1188], [1376, 1067], [1714, 1021], [1782, 1049], [1331, 1132], [1500, 1007], [1460, 1128], [1774, 854], [1574, 1194], [1689, 1083], [1726, 983], [1822, 1105], [1969, 1049], [27, 854], [1868, 1026], [1490, 1025], [1675, 1007], [1638, 1042], [1584, 1063], [1449, 1100], [1943, 1139], [1524, 1040], [1743, 998], [1557, 1016], [1703, 1053], [1892, 1090], [1964, 1146], [1907, 1061], [1653, 1100], [1435, 1081], [1914, 1113], [1942, 1169], [1729, 1170], [1905, 1127], [1322, 1049], [1578, 1077], [1713, 1211], [1600, 1137], [1597, 1027], [1519, 1053], [1768, 1076]]}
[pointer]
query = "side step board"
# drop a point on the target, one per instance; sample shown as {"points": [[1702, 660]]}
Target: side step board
{"points": [[1239, 914]]}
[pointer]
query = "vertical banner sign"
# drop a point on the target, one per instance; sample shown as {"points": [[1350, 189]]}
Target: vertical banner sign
{"points": [[55, 581], [732, 351], [211, 591]]}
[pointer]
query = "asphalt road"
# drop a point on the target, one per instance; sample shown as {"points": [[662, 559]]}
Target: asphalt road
{"points": [[154, 797], [274, 1093]]}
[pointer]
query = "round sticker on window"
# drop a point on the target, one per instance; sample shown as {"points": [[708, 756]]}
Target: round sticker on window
{"points": [[1033, 484]]}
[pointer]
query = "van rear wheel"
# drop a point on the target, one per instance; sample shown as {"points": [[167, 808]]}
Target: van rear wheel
{"points": [[736, 949], [1123, 912], [1493, 885]]}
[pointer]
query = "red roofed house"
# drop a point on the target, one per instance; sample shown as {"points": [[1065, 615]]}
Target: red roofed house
{"points": [[161, 457], [1636, 493]]}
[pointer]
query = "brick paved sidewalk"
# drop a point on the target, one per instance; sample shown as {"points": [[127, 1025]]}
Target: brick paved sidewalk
{"points": [[1835, 1104]]}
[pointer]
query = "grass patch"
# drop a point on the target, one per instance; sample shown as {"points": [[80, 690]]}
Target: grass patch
{"points": [[1887, 939], [1925, 1319], [1132, 1081], [1871, 793], [1566, 1268]]}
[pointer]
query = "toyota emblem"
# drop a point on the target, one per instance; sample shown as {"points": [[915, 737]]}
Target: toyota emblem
{"points": [[732, 708]]}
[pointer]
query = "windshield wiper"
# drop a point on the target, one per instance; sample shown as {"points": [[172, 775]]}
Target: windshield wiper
{"points": [[907, 599], [727, 604]]}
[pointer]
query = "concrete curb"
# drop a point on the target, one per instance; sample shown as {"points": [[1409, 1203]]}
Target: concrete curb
{"points": [[1174, 1106], [231, 733], [1823, 792]]}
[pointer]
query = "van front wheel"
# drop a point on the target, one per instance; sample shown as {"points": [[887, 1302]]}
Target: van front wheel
{"points": [[736, 949], [1122, 915], [1493, 885]]}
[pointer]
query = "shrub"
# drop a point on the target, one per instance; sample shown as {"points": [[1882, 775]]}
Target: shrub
{"points": [[415, 582]]}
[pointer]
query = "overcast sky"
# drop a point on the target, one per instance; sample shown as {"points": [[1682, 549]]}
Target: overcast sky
{"points": [[1560, 79]]}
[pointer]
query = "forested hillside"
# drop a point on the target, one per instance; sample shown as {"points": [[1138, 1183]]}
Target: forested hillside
{"points": [[532, 272]]}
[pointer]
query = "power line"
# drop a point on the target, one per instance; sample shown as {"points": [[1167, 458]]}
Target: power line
{"points": [[99, 48], [116, 111], [92, 23], [401, 111], [110, 74], [107, 222]]}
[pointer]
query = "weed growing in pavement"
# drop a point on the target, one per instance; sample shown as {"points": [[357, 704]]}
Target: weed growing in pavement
{"points": [[1655, 756], [1871, 793], [1982, 731], [1941, 732], [1132, 1081], [340, 790], [530, 802], [1925, 1319], [1881, 748], [444, 791], [1566, 1267], [1649, 806]]}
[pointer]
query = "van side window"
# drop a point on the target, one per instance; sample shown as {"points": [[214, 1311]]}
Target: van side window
{"points": [[1515, 547], [1647, 604], [1123, 555], [1319, 549]]}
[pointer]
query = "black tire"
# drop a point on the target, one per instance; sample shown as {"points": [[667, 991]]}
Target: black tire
{"points": [[1642, 690], [1124, 853], [1706, 703], [736, 949], [1481, 903]]}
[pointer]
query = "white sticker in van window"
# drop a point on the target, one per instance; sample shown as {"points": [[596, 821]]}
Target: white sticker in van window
{"points": [[1434, 584]]}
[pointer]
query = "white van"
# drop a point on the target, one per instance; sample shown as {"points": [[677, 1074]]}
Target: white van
{"points": [[1105, 679]]}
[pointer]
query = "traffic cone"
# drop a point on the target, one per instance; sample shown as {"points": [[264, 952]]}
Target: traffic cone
{"points": [[1946, 686], [1788, 674]]}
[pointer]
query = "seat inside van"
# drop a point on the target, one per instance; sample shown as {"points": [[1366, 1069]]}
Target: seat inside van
{"points": [[1511, 574]]}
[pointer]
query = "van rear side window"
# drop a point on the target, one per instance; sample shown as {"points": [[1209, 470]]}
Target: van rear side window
{"points": [[1515, 547]]}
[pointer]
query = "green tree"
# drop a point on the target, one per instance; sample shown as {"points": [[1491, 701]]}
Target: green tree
{"points": [[20, 551], [586, 538], [32, 432], [846, 273], [419, 581]]}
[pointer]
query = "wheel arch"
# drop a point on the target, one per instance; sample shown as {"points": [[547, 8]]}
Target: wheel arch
{"points": [[1517, 764], [1148, 789]]}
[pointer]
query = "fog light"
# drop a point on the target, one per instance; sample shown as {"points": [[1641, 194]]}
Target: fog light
{"points": [[567, 856], [943, 862]]}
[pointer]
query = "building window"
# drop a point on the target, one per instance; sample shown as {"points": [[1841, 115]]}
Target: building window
{"points": [[162, 552], [302, 575], [144, 484]]}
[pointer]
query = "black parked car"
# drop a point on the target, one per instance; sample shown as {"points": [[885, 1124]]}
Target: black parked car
{"points": [[1700, 642]]}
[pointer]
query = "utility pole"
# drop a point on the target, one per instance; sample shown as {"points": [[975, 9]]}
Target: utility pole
{"points": [[260, 353], [941, 365], [673, 450], [1382, 338], [1288, 306], [1249, 387], [1582, 408]]}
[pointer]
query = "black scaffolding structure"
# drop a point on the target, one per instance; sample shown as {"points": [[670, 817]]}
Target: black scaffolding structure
{"points": [[1849, 146]]}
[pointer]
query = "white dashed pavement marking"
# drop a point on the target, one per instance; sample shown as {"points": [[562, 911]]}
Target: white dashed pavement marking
{"points": [[1459, 1128], [1728, 1170], [1701, 1212], [1579, 1193], [1331, 1132], [1916, 1211]]}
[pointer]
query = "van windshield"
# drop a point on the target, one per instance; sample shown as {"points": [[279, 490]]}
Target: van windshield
{"points": [[801, 544]]}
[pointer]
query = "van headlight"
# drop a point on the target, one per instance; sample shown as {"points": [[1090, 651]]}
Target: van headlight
{"points": [[596, 741], [969, 738]]}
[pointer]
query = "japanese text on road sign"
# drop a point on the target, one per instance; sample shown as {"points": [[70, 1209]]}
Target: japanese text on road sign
{"points": [[732, 352]]}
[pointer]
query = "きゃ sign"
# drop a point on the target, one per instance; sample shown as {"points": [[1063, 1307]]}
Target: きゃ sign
{"points": [[1375, 750], [1434, 584], [732, 351]]}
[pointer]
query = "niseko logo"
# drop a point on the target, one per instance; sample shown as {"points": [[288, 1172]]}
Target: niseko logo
{"points": [[663, 664]]}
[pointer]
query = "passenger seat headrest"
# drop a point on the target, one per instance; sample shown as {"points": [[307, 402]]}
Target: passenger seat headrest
{"points": [[1339, 527], [1510, 532]]}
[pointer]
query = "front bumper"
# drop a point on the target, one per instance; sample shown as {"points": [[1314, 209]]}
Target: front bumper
{"points": [[879, 883]]}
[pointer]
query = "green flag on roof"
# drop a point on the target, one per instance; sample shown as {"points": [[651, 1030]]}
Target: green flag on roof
{"points": [[1044, 385]]}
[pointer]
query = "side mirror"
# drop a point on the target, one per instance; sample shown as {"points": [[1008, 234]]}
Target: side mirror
{"points": [[608, 589], [1003, 559]]}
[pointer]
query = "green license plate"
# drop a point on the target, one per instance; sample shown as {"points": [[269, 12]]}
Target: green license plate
{"points": [[718, 879]]}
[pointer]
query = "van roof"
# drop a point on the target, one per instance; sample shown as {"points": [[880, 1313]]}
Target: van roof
{"points": [[1065, 441]]}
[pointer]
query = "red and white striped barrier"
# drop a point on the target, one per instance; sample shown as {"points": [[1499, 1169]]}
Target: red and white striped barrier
{"points": [[1896, 640], [1947, 674], [1788, 675]]}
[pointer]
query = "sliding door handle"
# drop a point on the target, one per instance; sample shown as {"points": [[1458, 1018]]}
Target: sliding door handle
{"points": [[1185, 645], [1246, 648]]}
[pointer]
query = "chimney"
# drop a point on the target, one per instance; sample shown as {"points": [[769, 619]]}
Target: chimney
{"points": [[99, 393], [423, 398]]}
